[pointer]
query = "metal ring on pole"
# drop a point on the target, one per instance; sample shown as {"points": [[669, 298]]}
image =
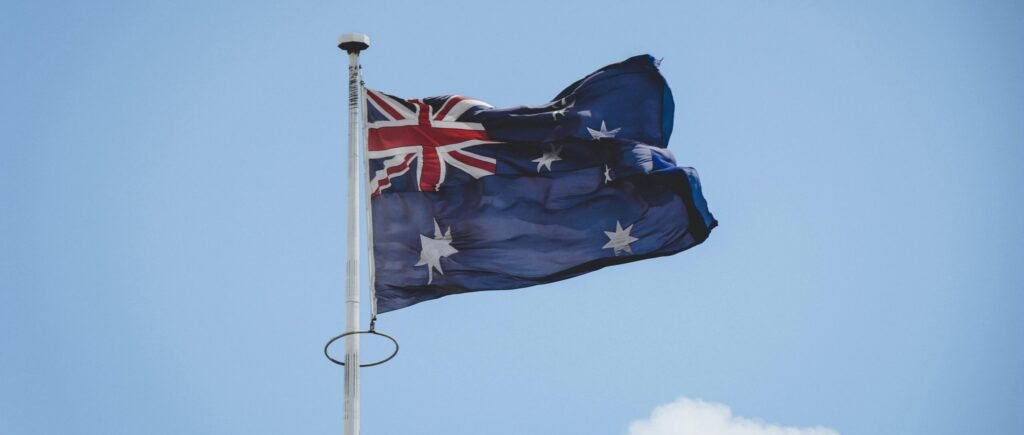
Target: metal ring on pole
{"points": [[371, 331]]}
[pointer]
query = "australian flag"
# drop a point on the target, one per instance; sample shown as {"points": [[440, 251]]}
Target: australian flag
{"points": [[468, 197]]}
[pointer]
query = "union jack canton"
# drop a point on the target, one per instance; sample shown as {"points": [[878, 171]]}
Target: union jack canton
{"points": [[426, 133]]}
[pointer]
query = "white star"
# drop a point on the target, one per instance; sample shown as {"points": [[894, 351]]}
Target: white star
{"points": [[548, 158], [619, 239], [603, 133], [554, 114], [432, 250], [607, 174]]}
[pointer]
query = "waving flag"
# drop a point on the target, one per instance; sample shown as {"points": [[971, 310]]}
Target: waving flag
{"points": [[467, 197]]}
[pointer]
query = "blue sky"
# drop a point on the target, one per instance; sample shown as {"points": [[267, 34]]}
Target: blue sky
{"points": [[172, 220]]}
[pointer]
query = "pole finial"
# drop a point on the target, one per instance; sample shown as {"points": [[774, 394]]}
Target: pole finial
{"points": [[354, 42]]}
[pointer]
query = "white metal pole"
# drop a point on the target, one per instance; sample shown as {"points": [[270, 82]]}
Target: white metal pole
{"points": [[353, 43], [352, 269]]}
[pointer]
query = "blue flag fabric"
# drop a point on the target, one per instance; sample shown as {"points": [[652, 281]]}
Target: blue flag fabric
{"points": [[469, 197]]}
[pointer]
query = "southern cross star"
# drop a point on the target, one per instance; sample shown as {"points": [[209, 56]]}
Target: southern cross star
{"points": [[548, 158], [619, 239], [607, 174], [603, 133], [554, 114], [433, 249]]}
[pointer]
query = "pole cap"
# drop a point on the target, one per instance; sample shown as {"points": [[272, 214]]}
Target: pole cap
{"points": [[354, 42]]}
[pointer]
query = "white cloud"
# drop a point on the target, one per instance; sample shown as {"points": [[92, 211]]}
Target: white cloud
{"points": [[696, 417]]}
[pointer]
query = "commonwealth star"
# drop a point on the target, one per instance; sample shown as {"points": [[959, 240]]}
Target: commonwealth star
{"points": [[432, 249]]}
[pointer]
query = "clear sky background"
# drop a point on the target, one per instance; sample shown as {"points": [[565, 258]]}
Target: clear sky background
{"points": [[172, 220]]}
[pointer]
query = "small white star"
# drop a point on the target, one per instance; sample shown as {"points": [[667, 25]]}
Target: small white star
{"points": [[603, 133], [431, 250], [607, 174], [554, 114], [548, 158], [619, 239]]}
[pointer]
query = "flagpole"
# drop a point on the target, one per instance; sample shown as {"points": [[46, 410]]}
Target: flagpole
{"points": [[352, 43]]}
